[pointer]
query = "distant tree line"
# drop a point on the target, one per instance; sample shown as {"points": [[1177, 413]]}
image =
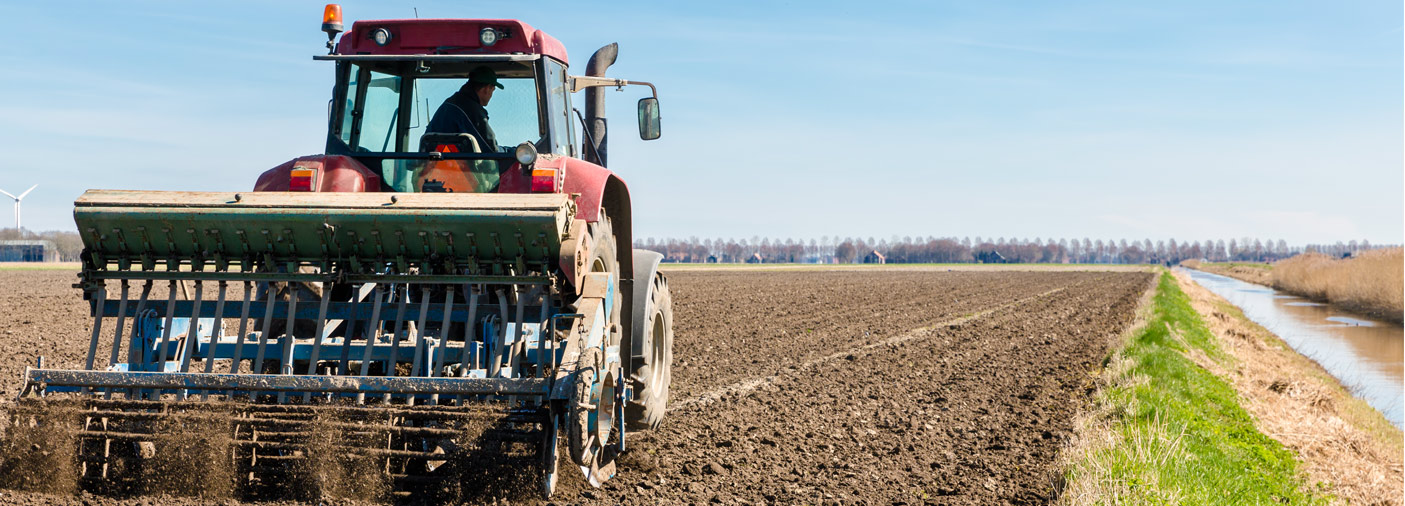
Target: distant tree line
{"points": [[909, 249], [981, 250], [68, 244]]}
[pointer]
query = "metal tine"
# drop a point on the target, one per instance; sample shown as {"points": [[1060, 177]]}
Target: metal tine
{"points": [[163, 347], [419, 337], [192, 334], [344, 364], [257, 367], [117, 333], [518, 346], [98, 304], [133, 354], [395, 338], [546, 339], [464, 359], [371, 330], [285, 360], [513, 360], [216, 330], [317, 338], [243, 326], [495, 354], [438, 362]]}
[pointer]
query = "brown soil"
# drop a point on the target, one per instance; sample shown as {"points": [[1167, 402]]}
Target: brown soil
{"points": [[800, 387]]}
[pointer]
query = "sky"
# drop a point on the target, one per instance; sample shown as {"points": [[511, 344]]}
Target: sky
{"points": [[1113, 120]]}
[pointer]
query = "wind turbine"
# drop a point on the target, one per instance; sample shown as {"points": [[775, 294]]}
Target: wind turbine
{"points": [[17, 203]]}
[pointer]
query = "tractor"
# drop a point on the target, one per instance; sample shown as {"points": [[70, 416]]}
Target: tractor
{"points": [[422, 293]]}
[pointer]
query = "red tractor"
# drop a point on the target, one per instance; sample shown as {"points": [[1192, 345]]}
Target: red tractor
{"points": [[485, 264]]}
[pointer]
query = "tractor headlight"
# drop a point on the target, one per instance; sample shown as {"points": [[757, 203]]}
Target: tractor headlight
{"points": [[488, 36], [526, 154], [380, 36]]}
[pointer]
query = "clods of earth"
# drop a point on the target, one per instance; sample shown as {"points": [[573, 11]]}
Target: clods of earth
{"points": [[815, 387]]}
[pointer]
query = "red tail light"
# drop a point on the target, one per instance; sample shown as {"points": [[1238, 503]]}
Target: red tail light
{"points": [[301, 180], [546, 181]]}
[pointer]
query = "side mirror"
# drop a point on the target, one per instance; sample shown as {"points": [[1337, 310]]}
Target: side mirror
{"points": [[649, 118]]}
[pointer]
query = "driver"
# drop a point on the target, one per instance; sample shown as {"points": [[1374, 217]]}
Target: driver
{"points": [[464, 113]]}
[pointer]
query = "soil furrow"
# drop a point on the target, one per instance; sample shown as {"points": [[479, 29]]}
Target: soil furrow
{"points": [[968, 413], [832, 387]]}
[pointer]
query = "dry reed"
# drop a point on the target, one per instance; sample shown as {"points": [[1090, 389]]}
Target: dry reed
{"points": [[1372, 282], [1347, 448]]}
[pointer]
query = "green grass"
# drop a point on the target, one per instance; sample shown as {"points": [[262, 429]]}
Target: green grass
{"points": [[1176, 433], [39, 266]]}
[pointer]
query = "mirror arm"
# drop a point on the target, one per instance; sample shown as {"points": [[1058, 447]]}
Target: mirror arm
{"points": [[579, 83]]}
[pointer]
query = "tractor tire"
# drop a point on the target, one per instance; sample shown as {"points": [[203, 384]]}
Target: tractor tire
{"points": [[578, 431], [653, 368], [603, 258]]}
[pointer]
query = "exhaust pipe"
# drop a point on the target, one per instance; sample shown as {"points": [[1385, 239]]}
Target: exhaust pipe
{"points": [[595, 103]]}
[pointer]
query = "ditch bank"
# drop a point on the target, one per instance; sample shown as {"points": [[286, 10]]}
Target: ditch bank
{"points": [[1363, 354], [1201, 406], [1349, 451]]}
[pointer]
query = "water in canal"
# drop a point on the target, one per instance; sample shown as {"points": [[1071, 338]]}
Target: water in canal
{"points": [[1364, 354]]}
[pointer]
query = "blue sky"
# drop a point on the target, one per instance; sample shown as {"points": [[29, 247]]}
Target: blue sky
{"points": [[1186, 120]]}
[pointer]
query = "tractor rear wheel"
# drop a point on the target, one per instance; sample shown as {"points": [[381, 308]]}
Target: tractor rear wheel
{"points": [[604, 257], [653, 367]]}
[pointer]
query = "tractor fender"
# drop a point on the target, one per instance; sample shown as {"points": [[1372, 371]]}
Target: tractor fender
{"points": [[646, 265], [598, 188], [595, 187], [335, 173]]}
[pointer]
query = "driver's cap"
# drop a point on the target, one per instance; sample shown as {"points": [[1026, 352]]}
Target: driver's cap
{"points": [[484, 75]]}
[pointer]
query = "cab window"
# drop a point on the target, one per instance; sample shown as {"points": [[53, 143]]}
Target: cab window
{"points": [[512, 112], [373, 104], [559, 109]]}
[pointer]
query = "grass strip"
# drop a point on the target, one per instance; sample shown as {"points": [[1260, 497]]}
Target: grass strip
{"points": [[39, 266], [1167, 430]]}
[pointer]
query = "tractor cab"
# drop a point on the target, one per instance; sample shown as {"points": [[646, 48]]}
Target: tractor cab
{"points": [[393, 76], [382, 109], [433, 330]]}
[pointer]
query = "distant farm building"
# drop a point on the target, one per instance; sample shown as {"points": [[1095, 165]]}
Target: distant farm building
{"points": [[874, 257], [755, 258], [28, 251], [989, 257], [712, 259]]}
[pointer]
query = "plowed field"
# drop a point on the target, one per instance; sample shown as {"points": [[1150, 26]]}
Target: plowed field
{"points": [[859, 387]]}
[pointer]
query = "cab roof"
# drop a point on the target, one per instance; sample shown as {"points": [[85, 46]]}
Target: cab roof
{"points": [[449, 37]]}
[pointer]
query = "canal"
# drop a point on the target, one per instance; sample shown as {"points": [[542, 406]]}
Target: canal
{"points": [[1365, 355]]}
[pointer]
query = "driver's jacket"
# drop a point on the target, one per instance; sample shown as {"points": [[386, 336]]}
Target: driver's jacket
{"points": [[462, 114]]}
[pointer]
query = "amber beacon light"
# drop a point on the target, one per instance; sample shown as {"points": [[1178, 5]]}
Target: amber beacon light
{"points": [[331, 19]]}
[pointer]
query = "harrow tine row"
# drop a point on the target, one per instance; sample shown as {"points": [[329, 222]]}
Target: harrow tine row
{"points": [[193, 329], [318, 369], [405, 445]]}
